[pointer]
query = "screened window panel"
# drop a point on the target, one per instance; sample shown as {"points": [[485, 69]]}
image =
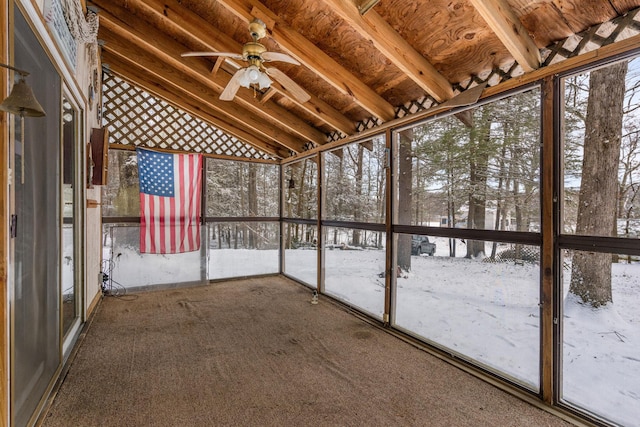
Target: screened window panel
{"points": [[355, 180], [300, 252], [601, 334], [354, 273], [483, 310], [127, 268], [237, 249], [300, 184], [241, 189], [601, 151], [121, 195], [478, 169]]}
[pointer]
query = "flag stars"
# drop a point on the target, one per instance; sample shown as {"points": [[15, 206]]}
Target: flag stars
{"points": [[156, 173]]}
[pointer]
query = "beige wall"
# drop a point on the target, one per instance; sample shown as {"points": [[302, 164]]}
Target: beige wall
{"points": [[93, 246]]}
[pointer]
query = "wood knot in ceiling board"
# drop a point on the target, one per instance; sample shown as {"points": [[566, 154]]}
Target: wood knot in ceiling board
{"points": [[515, 29], [454, 6], [349, 91], [462, 34]]}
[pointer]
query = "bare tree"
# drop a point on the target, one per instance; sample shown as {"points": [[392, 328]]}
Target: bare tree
{"points": [[253, 203]]}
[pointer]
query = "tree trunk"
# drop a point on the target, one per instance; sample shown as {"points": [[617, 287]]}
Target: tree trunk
{"points": [[451, 205], [357, 213], [253, 202], [302, 202], [405, 180], [479, 161], [591, 271], [341, 186], [500, 197], [288, 243]]}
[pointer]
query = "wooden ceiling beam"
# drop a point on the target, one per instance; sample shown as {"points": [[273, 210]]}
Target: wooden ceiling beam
{"points": [[123, 48], [313, 58], [193, 26], [147, 38], [134, 73], [391, 44], [506, 25]]}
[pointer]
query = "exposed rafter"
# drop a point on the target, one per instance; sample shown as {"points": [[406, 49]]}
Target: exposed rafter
{"points": [[358, 69], [140, 76], [313, 58], [372, 27], [196, 28], [149, 40], [506, 25], [124, 49]]}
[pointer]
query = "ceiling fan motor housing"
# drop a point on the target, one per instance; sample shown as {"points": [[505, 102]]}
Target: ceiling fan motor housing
{"points": [[253, 51]]}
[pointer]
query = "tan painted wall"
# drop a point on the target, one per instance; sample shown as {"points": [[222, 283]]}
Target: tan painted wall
{"points": [[93, 248]]}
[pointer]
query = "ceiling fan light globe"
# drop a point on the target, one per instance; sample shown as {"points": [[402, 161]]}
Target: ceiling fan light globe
{"points": [[253, 74], [264, 82], [244, 79]]}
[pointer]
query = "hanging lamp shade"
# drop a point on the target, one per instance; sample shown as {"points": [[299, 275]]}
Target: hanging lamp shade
{"points": [[21, 101]]}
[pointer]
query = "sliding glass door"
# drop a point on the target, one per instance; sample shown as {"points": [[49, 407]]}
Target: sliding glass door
{"points": [[36, 352]]}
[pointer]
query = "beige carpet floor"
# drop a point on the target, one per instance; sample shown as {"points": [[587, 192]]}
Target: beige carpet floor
{"points": [[257, 353]]}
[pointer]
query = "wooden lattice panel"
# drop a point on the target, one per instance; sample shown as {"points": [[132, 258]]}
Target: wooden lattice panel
{"points": [[618, 29], [137, 118], [621, 28]]}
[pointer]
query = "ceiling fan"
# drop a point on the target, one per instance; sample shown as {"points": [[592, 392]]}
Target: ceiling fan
{"points": [[256, 74]]}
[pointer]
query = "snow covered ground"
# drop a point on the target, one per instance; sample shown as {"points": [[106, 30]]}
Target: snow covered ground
{"points": [[486, 312]]}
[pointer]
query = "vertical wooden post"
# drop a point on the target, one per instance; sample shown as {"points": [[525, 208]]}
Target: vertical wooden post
{"points": [[548, 249], [204, 231], [320, 233], [389, 276], [280, 221]]}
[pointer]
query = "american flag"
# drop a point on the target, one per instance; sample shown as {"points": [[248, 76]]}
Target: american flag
{"points": [[169, 201]]}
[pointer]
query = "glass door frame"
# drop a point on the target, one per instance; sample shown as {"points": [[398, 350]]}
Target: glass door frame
{"points": [[79, 202]]}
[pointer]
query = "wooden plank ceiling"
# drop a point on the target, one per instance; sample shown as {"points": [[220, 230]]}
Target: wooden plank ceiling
{"points": [[354, 67]]}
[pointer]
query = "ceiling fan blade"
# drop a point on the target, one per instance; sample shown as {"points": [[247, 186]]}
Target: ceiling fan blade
{"points": [[288, 84], [225, 54], [232, 87], [277, 56]]}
